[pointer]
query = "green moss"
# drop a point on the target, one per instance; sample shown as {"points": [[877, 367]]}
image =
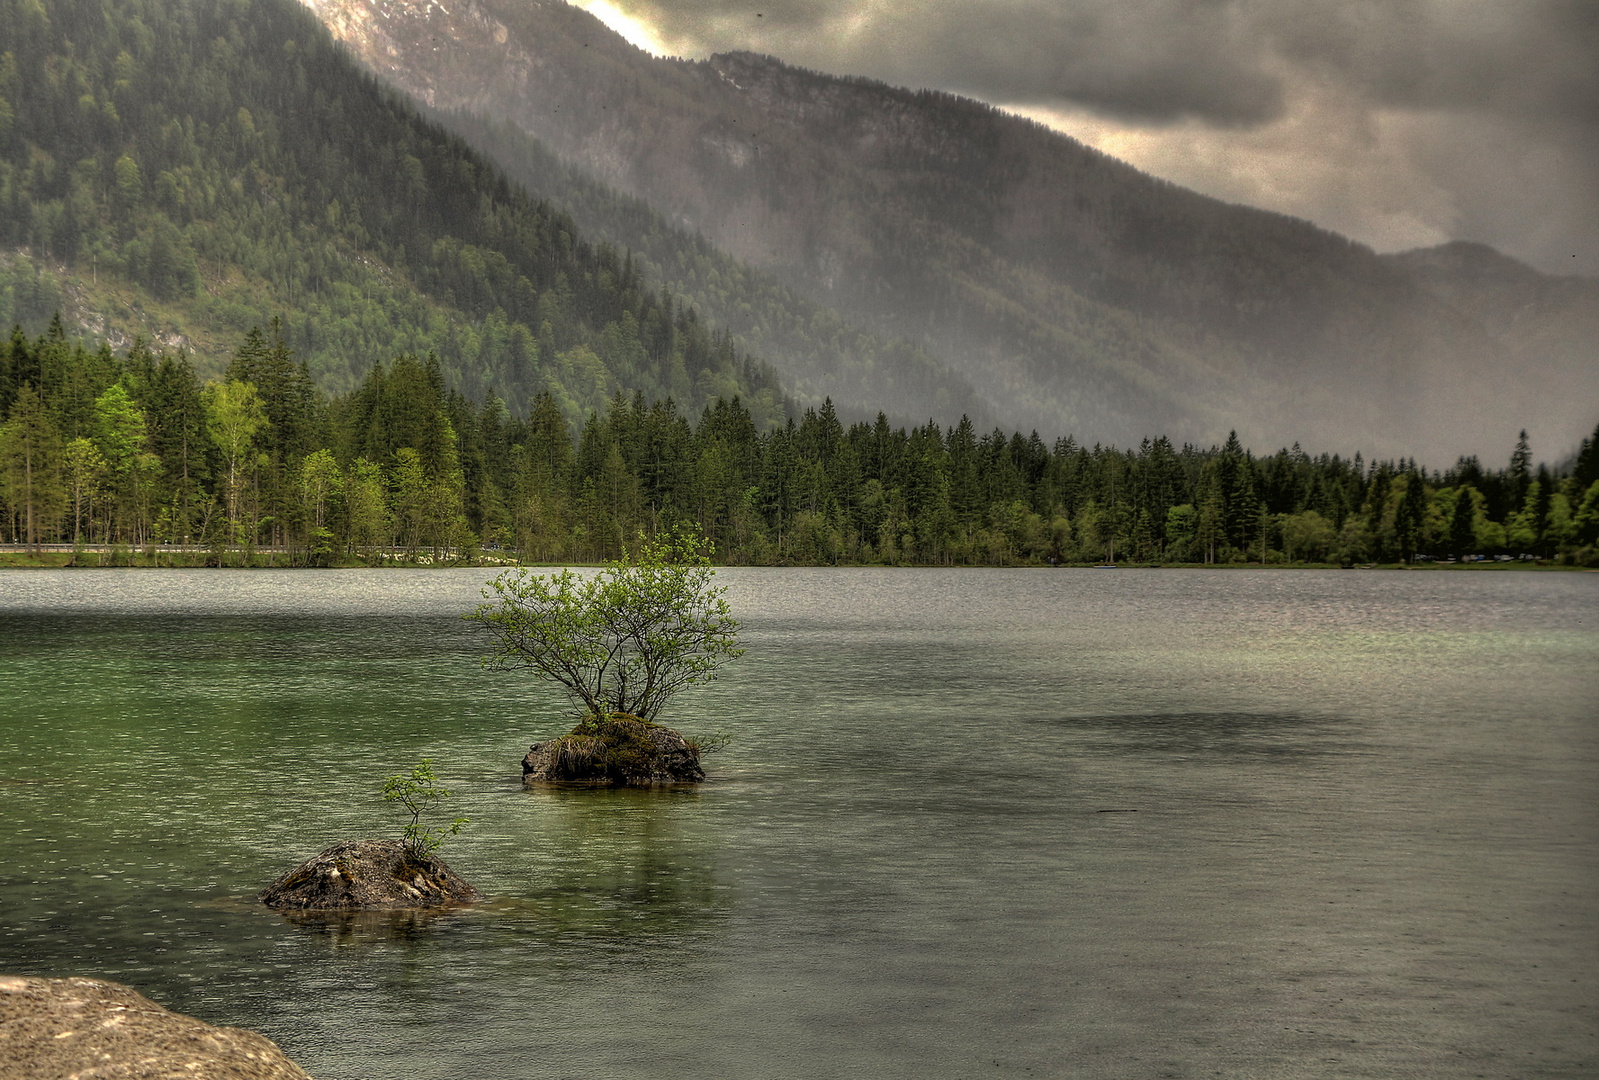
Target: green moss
{"points": [[614, 747]]}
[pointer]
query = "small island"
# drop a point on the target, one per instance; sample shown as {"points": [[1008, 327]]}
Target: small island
{"points": [[368, 875], [621, 643], [619, 749], [381, 875]]}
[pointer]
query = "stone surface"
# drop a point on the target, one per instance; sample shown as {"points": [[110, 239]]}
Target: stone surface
{"points": [[87, 1029], [620, 750], [368, 875]]}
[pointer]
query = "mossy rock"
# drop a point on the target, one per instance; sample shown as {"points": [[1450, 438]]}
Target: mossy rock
{"points": [[368, 875], [619, 750]]}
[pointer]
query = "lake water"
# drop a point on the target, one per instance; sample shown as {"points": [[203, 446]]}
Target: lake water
{"points": [[975, 823]]}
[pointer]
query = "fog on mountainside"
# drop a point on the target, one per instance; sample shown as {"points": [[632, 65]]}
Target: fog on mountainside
{"points": [[1074, 292], [822, 355]]}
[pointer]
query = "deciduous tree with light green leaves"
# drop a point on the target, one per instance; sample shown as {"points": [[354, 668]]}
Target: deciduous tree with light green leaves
{"points": [[321, 482], [626, 639], [367, 505], [85, 467], [234, 417]]}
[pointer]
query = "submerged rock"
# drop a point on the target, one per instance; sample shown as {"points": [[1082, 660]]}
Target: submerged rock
{"points": [[368, 875], [64, 1029], [620, 749]]}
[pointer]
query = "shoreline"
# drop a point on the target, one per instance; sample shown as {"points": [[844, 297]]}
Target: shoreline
{"points": [[145, 560]]}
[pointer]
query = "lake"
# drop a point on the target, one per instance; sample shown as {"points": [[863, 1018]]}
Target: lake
{"points": [[1074, 823]]}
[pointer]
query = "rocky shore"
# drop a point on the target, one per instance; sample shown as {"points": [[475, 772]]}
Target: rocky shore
{"points": [[74, 1029]]}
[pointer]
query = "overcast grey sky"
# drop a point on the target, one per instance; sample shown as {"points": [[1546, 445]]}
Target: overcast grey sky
{"points": [[1401, 123]]}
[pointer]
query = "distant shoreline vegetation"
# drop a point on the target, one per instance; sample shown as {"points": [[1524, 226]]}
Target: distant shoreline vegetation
{"points": [[164, 557], [132, 460]]}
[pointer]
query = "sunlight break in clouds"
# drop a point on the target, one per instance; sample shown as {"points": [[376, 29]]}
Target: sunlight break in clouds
{"points": [[637, 32], [1359, 180]]}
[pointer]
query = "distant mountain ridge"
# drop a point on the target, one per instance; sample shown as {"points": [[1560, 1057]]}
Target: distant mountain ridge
{"points": [[1075, 293], [822, 354], [1526, 311]]}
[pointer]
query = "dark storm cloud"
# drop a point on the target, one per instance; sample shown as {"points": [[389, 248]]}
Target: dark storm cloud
{"points": [[1165, 59], [1495, 103], [1224, 60], [1535, 58], [1118, 58]]}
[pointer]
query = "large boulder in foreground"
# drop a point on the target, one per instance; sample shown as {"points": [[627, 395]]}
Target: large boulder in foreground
{"points": [[66, 1029], [619, 749], [368, 875]]}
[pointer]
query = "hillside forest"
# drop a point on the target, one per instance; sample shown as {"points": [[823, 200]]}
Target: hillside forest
{"points": [[186, 171], [138, 453]]}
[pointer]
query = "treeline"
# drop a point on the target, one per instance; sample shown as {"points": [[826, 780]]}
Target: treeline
{"points": [[137, 450]]}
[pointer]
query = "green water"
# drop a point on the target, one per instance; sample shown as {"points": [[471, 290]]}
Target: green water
{"points": [[1032, 823]]}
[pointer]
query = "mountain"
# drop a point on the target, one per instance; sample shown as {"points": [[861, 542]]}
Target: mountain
{"points": [[187, 170], [1076, 293], [1545, 327], [820, 353]]}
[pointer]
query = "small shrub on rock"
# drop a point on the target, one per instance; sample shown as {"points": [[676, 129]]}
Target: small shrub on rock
{"points": [[367, 875], [626, 639], [420, 793]]}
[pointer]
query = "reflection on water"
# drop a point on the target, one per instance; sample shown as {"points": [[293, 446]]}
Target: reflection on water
{"points": [[1030, 822], [354, 927]]}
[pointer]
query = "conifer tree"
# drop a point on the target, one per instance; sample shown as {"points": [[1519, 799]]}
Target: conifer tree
{"points": [[1463, 522], [30, 466], [1520, 468]]}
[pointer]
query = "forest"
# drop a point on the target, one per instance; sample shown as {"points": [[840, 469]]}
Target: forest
{"points": [[137, 454], [191, 170]]}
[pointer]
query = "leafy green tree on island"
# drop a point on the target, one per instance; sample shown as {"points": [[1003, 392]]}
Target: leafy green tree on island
{"points": [[626, 639]]}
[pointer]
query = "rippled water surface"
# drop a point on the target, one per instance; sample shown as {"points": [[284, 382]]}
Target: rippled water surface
{"points": [[971, 823]]}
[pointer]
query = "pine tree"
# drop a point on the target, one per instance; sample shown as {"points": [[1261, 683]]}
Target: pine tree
{"points": [[30, 466], [1463, 522], [1586, 470], [1410, 516], [1520, 469]]}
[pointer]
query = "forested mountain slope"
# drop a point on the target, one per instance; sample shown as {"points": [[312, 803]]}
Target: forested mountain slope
{"points": [[187, 169], [818, 353], [1077, 293]]}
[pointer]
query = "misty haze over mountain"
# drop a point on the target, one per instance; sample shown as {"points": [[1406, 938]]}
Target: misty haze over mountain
{"points": [[1401, 125], [1074, 293]]}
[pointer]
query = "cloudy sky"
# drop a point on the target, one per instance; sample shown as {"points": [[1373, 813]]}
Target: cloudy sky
{"points": [[1401, 123]]}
